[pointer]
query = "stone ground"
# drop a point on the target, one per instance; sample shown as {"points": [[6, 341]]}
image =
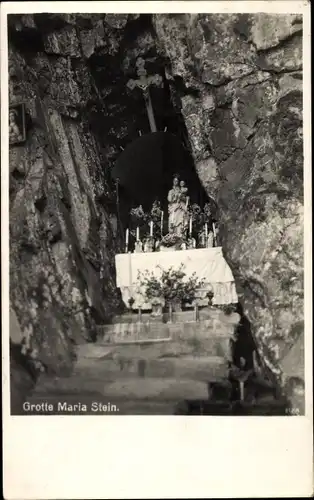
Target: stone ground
{"points": [[155, 377]]}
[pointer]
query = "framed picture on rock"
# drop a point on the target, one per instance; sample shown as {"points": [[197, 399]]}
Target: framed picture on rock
{"points": [[17, 131]]}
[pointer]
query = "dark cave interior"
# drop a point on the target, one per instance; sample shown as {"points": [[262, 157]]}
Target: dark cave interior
{"points": [[151, 173], [117, 115]]}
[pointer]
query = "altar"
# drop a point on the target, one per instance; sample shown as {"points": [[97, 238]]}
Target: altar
{"points": [[208, 263]]}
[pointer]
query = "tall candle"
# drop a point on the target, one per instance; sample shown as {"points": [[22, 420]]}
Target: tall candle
{"points": [[190, 226], [162, 222], [214, 231], [187, 201], [127, 237], [137, 234], [206, 230], [151, 228]]}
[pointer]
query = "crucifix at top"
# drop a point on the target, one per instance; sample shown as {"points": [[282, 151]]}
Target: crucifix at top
{"points": [[143, 82]]}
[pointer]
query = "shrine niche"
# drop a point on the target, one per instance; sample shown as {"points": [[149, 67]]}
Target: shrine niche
{"points": [[184, 237], [174, 231]]}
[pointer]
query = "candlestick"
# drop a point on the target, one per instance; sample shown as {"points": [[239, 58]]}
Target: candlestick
{"points": [[214, 231], [137, 234], [126, 240], [241, 383]]}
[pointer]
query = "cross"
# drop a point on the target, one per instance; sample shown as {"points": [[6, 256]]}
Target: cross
{"points": [[143, 82]]}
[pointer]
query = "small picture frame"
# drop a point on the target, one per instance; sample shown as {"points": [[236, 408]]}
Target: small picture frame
{"points": [[17, 131]]}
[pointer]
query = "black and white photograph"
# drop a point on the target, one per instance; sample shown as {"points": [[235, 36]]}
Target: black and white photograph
{"points": [[156, 214], [156, 249]]}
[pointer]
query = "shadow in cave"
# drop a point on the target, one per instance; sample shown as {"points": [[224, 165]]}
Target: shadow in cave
{"points": [[245, 357], [145, 171], [262, 397], [146, 168], [147, 165], [148, 161]]}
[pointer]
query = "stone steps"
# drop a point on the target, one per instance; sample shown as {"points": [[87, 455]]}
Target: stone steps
{"points": [[150, 368], [95, 376], [178, 317], [222, 408], [216, 347], [153, 406], [147, 396], [127, 332], [155, 390], [186, 316]]}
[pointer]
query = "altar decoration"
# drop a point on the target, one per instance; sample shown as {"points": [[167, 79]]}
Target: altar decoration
{"points": [[171, 286], [149, 244], [160, 240], [188, 225], [157, 219], [171, 241], [195, 219], [153, 291], [207, 263]]}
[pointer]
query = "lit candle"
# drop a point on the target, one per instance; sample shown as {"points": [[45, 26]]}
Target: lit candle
{"points": [[162, 222], [214, 231], [151, 228], [137, 234], [206, 230], [190, 226]]}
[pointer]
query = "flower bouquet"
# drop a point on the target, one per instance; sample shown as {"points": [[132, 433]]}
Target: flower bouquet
{"points": [[156, 215], [153, 291], [139, 218], [171, 240], [195, 213], [177, 287], [172, 287], [208, 213]]}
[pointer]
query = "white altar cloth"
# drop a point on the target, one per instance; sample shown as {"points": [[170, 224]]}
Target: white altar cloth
{"points": [[207, 263]]}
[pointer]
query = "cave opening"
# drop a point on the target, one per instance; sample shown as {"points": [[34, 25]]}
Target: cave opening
{"points": [[122, 120]]}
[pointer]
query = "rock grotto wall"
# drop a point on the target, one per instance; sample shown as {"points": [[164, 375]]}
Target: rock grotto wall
{"points": [[244, 119], [235, 81], [62, 240]]}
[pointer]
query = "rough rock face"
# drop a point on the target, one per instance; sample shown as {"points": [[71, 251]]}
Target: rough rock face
{"points": [[244, 121], [236, 83], [62, 242]]}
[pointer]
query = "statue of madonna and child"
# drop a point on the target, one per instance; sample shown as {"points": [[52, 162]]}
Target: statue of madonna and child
{"points": [[178, 207]]}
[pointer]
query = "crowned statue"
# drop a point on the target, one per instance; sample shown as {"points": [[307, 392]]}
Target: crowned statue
{"points": [[178, 207]]}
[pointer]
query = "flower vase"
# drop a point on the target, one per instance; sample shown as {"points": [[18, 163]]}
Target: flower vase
{"points": [[202, 240], [156, 310], [157, 306], [149, 244], [138, 248]]}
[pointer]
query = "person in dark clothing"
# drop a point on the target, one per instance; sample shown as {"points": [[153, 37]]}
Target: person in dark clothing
{"points": [[243, 345]]}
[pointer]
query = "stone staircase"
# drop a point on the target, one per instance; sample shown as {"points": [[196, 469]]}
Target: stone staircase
{"points": [[154, 366]]}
